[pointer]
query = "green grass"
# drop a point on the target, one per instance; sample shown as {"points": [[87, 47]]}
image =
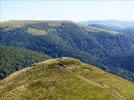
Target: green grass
{"points": [[16, 24], [35, 31], [20, 23], [54, 80]]}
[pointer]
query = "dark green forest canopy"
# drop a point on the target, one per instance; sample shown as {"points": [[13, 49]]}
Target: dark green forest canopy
{"points": [[13, 59]]}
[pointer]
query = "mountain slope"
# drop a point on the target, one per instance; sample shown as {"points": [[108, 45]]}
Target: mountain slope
{"points": [[66, 38], [64, 78], [125, 62], [13, 59], [127, 28]]}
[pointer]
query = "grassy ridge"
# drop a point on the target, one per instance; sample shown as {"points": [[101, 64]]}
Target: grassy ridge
{"points": [[64, 79]]}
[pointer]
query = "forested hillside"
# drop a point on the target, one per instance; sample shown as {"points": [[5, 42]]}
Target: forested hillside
{"points": [[127, 30], [65, 38], [13, 59]]}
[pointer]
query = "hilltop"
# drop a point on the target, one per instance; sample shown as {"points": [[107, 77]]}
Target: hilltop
{"points": [[64, 79]]}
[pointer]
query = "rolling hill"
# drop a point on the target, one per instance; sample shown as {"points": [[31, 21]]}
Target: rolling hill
{"points": [[64, 79], [13, 59], [65, 38]]}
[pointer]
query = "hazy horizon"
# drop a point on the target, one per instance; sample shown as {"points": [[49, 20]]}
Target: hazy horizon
{"points": [[67, 10], [67, 20]]}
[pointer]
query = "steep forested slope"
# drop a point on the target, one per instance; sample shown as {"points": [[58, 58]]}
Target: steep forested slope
{"points": [[13, 59], [125, 62], [64, 79], [65, 38]]}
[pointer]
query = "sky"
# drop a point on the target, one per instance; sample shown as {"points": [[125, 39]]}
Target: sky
{"points": [[66, 10]]}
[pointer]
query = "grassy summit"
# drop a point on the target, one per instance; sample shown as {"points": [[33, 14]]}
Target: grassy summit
{"points": [[64, 79]]}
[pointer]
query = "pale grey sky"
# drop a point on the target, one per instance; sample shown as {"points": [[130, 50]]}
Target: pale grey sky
{"points": [[66, 10]]}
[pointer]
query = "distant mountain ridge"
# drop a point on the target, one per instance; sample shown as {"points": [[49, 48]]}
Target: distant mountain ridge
{"points": [[124, 27], [112, 23]]}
